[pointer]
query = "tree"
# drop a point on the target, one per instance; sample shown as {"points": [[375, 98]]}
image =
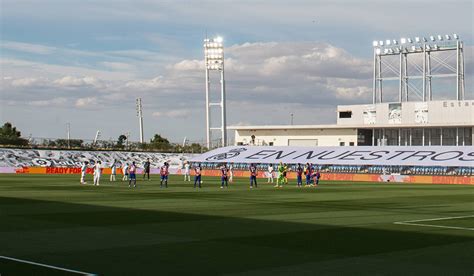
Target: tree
{"points": [[9, 135], [121, 140], [159, 142]]}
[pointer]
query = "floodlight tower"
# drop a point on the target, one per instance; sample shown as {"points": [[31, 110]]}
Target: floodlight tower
{"points": [[214, 60], [140, 117], [418, 46]]}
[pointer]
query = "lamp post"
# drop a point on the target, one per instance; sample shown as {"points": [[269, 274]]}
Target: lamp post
{"points": [[140, 118], [214, 61]]}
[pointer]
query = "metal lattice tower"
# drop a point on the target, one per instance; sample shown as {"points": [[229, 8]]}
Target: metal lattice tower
{"points": [[214, 59], [418, 54]]}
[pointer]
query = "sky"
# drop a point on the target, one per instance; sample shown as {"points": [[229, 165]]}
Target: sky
{"points": [[85, 62]]}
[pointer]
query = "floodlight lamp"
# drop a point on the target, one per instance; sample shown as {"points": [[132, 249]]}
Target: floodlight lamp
{"points": [[375, 43], [390, 51], [381, 42], [417, 39], [394, 42], [440, 37], [455, 36], [218, 39], [435, 47], [388, 42], [428, 47], [432, 38], [385, 51], [409, 40], [403, 40], [413, 48], [447, 37], [424, 39], [377, 51]]}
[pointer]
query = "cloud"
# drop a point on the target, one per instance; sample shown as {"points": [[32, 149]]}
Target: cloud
{"points": [[74, 82], [88, 102], [119, 66], [53, 102], [28, 47], [177, 113]]}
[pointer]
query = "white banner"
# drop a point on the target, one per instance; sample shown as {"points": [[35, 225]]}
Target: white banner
{"points": [[446, 156]]}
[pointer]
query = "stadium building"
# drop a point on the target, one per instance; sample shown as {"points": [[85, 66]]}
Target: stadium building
{"points": [[414, 119]]}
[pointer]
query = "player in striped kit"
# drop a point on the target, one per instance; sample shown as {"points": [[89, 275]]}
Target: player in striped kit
{"points": [[164, 175], [224, 179], [197, 175], [253, 175]]}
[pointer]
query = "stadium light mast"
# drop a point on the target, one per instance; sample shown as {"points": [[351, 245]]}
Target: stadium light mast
{"points": [[421, 67], [140, 117], [214, 61]]}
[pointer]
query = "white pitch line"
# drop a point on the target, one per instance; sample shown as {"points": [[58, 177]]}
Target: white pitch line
{"points": [[410, 222], [48, 266]]}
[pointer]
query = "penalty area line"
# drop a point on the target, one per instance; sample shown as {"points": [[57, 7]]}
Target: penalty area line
{"points": [[47, 266], [413, 223]]}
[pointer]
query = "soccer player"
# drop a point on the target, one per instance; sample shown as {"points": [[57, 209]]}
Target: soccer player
{"points": [[187, 174], [224, 172], [231, 173], [132, 175], [97, 172], [84, 167], [197, 175], [253, 175], [146, 168], [299, 175], [164, 175], [285, 173], [316, 177], [281, 177], [113, 169], [125, 171], [307, 173], [270, 174]]}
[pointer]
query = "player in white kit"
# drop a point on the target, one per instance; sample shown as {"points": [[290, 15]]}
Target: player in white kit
{"points": [[187, 173], [125, 172], [270, 174], [231, 173], [97, 173], [83, 172], [113, 170]]}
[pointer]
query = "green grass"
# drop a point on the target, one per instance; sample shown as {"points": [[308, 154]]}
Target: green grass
{"points": [[338, 228]]}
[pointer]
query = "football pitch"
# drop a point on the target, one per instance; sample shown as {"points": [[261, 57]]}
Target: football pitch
{"points": [[51, 225]]}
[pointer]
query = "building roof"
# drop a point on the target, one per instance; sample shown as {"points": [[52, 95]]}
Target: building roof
{"points": [[335, 126]]}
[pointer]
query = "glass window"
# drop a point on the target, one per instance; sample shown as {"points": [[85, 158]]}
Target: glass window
{"points": [[449, 136], [417, 137], [392, 137], [467, 136], [435, 136], [405, 141]]}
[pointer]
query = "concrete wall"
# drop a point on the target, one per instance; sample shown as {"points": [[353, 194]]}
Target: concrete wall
{"points": [[439, 112], [280, 137]]}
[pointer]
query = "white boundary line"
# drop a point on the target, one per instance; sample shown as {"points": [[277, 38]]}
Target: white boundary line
{"points": [[48, 266], [411, 222]]}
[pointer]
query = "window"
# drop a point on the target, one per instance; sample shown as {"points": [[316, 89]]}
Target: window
{"points": [[351, 143], [342, 144], [449, 137], [392, 137], [345, 114], [417, 137], [467, 136], [240, 143], [270, 143], [435, 136]]}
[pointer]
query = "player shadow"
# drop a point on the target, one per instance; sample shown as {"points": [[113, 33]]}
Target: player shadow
{"points": [[124, 241]]}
